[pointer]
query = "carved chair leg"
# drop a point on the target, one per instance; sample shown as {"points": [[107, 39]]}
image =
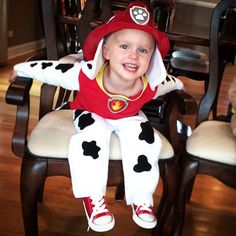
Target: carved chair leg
{"points": [[190, 189], [40, 193], [170, 177], [33, 174], [184, 135], [188, 174]]}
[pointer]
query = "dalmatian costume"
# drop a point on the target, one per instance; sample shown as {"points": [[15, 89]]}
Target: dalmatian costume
{"points": [[97, 113]]}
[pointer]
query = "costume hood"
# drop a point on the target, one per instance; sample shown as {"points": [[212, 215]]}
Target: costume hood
{"points": [[136, 16]]}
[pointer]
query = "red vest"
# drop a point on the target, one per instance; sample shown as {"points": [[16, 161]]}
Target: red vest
{"points": [[92, 98]]}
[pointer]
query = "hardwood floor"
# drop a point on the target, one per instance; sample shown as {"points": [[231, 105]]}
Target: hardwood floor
{"points": [[211, 211]]}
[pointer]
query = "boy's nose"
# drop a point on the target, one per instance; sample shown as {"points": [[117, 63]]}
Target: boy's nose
{"points": [[133, 54]]}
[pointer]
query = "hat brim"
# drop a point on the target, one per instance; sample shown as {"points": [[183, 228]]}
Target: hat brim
{"points": [[95, 36]]}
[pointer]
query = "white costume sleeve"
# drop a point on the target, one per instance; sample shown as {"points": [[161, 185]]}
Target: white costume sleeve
{"points": [[58, 73], [169, 84]]}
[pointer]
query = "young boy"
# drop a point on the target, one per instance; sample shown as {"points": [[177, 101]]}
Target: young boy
{"points": [[123, 71]]}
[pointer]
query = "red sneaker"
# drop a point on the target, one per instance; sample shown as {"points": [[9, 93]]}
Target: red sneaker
{"points": [[143, 216], [99, 217]]}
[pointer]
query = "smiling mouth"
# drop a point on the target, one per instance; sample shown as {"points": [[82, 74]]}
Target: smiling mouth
{"points": [[130, 67]]}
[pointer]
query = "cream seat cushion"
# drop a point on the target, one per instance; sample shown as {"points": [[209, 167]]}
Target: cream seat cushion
{"points": [[213, 140], [51, 137]]}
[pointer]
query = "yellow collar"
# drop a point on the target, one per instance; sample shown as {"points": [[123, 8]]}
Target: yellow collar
{"points": [[99, 80]]}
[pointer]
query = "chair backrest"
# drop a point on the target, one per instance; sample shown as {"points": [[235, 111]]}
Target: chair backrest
{"points": [[216, 57]]}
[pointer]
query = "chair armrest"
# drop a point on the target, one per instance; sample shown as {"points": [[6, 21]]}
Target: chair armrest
{"points": [[177, 102], [18, 91], [18, 94]]}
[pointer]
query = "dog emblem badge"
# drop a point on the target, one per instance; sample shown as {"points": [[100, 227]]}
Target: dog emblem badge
{"points": [[139, 15]]}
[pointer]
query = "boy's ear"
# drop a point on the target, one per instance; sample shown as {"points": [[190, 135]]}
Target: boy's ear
{"points": [[105, 51]]}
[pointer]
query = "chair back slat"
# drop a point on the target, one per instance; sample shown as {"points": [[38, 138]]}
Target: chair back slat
{"points": [[60, 23], [216, 61]]}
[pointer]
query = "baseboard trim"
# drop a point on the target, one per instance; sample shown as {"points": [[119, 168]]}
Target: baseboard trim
{"points": [[25, 48]]}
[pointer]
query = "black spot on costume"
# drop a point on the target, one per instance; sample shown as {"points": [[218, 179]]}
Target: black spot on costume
{"points": [[33, 64], [77, 113], [147, 133], [167, 79], [64, 67], [143, 164], [91, 149], [89, 66], [85, 120], [46, 64]]}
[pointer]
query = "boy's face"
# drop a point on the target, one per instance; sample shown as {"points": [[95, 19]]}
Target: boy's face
{"points": [[129, 52]]}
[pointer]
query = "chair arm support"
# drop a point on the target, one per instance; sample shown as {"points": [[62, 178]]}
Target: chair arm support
{"points": [[186, 103], [178, 102], [18, 94], [164, 112]]}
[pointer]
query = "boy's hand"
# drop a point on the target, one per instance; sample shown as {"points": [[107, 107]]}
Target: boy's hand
{"points": [[13, 76]]}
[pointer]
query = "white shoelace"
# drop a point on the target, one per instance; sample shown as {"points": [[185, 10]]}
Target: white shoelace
{"points": [[99, 207]]}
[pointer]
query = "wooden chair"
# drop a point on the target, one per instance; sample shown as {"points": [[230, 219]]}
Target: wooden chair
{"points": [[195, 64], [211, 148], [63, 24]]}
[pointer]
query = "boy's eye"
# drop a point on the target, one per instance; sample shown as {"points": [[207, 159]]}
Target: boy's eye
{"points": [[143, 50], [124, 46]]}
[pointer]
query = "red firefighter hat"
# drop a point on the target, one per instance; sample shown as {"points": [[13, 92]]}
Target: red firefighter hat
{"points": [[135, 16]]}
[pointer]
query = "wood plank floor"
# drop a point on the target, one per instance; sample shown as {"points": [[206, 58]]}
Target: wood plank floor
{"points": [[211, 211]]}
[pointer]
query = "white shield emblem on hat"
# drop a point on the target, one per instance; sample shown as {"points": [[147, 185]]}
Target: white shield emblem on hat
{"points": [[139, 15]]}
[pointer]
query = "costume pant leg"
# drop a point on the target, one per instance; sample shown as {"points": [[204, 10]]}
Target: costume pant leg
{"points": [[88, 155], [140, 148]]}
